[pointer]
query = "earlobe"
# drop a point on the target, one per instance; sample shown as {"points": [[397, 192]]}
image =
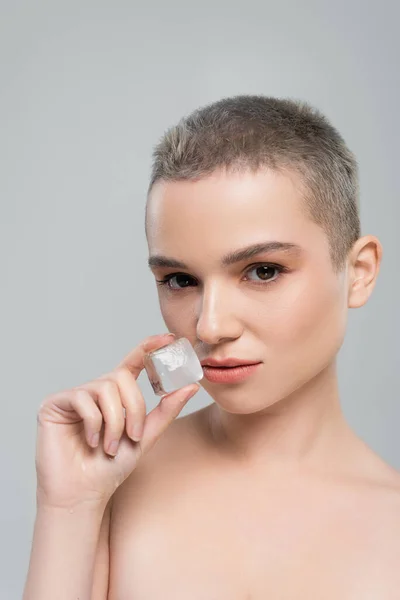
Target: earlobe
{"points": [[365, 260]]}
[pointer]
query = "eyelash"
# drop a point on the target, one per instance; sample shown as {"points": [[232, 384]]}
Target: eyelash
{"points": [[280, 268]]}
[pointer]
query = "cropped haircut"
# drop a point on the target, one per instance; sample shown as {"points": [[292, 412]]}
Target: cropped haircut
{"points": [[251, 133]]}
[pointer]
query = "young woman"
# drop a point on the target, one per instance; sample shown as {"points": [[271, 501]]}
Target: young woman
{"points": [[254, 240]]}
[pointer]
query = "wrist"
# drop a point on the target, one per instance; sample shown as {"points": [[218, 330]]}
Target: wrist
{"points": [[88, 506]]}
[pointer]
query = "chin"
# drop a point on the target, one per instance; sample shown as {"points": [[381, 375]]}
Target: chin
{"points": [[241, 402], [242, 399]]}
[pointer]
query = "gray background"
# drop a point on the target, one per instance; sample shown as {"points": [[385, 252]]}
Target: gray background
{"points": [[86, 90]]}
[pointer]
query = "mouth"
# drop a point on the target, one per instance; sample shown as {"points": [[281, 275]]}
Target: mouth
{"points": [[235, 374], [227, 362], [226, 367]]}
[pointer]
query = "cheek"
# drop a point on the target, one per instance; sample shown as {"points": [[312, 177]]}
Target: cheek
{"points": [[311, 321], [177, 317], [169, 315]]}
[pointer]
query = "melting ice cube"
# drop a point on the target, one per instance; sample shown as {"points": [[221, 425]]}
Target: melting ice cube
{"points": [[173, 366]]}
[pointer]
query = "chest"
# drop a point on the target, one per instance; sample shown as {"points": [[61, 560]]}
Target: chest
{"points": [[207, 550]]}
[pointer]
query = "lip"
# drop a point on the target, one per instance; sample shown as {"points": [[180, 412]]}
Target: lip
{"points": [[227, 362], [229, 375]]}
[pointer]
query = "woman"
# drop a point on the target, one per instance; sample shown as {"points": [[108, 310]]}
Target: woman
{"points": [[254, 240]]}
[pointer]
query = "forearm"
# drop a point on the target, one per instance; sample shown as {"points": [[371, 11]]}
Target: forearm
{"points": [[63, 554]]}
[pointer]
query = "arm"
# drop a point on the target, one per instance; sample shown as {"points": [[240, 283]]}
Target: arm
{"points": [[102, 560], [67, 549]]}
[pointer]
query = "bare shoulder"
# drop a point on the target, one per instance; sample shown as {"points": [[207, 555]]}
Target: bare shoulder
{"points": [[380, 476], [381, 523], [387, 498], [379, 487], [155, 508], [164, 472]]}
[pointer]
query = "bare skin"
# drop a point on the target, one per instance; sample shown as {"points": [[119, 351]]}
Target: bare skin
{"points": [[86, 446], [194, 521], [267, 492]]}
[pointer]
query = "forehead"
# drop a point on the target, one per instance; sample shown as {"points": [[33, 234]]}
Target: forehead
{"points": [[225, 210]]}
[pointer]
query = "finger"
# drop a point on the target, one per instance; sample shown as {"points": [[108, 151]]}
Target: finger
{"points": [[106, 395], [82, 403], [164, 413], [132, 400], [133, 361]]}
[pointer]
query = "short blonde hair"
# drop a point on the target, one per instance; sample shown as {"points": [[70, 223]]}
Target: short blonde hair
{"points": [[250, 132]]}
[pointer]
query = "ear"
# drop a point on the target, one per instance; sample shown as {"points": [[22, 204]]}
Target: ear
{"points": [[364, 264]]}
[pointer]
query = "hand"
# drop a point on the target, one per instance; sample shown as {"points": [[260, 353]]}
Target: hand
{"points": [[86, 446]]}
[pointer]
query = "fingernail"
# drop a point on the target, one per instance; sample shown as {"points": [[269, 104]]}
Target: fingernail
{"points": [[137, 432], [95, 439], [113, 447], [190, 393]]}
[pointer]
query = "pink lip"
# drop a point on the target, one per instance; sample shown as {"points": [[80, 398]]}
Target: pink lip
{"points": [[228, 362], [229, 375]]}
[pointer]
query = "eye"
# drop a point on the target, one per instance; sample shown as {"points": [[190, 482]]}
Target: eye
{"points": [[181, 277], [263, 272]]}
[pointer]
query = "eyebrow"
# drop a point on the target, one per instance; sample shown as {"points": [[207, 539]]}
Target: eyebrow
{"points": [[231, 258]]}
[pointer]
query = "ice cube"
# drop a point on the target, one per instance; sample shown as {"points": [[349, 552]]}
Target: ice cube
{"points": [[173, 366]]}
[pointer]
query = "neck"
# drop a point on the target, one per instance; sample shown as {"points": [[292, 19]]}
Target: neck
{"points": [[305, 429]]}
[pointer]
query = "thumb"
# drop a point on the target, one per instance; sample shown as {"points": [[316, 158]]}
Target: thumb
{"points": [[181, 395], [164, 413]]}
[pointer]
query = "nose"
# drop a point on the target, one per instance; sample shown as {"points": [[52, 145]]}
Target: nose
{"points": [[217, 321]]}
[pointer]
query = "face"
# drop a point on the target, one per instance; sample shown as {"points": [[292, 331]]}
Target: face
{"points": [[284, 307]]}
